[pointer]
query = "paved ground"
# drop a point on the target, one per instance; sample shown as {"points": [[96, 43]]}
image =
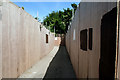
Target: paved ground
{"points": [[54, 65], [39, 69], [60, 67]]}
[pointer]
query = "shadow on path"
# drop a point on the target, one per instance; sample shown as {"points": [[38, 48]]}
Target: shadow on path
{"points": [[61, 66]]}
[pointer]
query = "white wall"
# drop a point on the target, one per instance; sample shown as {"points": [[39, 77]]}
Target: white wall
{"points": [[0, 39], [23, 42]]}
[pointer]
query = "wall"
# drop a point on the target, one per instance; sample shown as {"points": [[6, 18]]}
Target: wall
{"points": [[60, 40], [88, 15], [23, 44], [0, 39], [118, 70], [57, 41]]}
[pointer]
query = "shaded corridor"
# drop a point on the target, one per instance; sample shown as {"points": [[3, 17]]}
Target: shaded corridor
{"points": [[61, 66]]}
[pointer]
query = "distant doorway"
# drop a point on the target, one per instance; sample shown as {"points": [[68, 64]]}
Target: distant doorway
{"points": [[108, 45]]}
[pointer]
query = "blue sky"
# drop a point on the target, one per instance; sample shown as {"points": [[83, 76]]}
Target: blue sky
{"points": [[43, 8]]}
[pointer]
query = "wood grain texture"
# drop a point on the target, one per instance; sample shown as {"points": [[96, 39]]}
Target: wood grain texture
{"points": [[23, 44]]}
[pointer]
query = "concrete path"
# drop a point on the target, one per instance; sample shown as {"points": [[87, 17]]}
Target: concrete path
{"points": [[54, 65], [60, 67], [38, 70]]}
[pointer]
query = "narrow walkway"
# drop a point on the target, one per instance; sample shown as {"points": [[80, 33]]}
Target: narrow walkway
{"points": [[60, 67], [39, 69]]}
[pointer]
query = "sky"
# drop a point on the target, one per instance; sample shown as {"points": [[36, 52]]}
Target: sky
{"points": [[43, 8]]}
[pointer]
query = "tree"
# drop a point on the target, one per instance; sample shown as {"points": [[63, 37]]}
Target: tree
{"points": [[74, 6], [59, 20], [23, 8], [37, 19]]}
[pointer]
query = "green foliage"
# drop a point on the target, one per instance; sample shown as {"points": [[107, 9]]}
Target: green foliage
{"points": [[23, 8], [37, 19], [59, 20], [74, 6]]}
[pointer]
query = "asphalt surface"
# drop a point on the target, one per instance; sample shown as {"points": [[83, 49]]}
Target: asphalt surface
{"points": [[60, 67]]}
